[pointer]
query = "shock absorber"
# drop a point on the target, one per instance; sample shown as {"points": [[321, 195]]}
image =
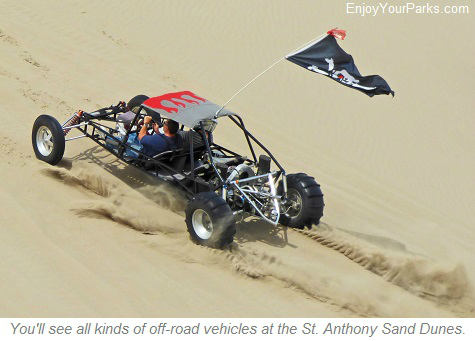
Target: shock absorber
{"points": [[72, 121]]}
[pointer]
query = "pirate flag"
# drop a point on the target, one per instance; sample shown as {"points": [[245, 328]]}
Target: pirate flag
{"points": [[326, 57]]}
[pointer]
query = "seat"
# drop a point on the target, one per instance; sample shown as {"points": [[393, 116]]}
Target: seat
{"points": [[197, 139], [167, 157]]}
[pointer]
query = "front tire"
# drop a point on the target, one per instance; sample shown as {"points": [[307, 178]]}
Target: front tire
{"points": [[305, 201], [48, 140], [210, 220]]}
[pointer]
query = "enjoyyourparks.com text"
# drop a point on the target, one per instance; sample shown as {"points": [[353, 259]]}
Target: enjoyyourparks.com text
{"points": [[386, 8]]}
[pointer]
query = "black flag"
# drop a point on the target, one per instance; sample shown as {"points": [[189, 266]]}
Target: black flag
{"points": [[326, 57]]}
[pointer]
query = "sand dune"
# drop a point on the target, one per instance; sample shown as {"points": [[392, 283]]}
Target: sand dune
{"points": [[94, 237]]}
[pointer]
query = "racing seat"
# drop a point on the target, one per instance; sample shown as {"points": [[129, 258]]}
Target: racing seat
{"points": [[168, 156], [198, 142], [199, 147], [175, 159], [180, 159], [170, 159]]}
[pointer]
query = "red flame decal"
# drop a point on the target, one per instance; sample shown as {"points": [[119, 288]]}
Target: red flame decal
{"points": [[176, 98], [340, 34]]}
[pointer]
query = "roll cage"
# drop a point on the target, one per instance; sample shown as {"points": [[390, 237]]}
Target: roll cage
{"points": [[199, 178]]}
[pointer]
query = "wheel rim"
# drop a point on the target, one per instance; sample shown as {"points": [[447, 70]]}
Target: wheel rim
{"points": [[44, 141], [202, 224], [295, 200]]}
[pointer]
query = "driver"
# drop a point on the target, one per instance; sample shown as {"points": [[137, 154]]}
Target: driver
{"points": [[159, 143]]}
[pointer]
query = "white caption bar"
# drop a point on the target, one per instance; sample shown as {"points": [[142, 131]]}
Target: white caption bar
{"points": [[236, 329]]}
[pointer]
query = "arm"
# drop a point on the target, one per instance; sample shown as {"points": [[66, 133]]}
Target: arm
{"points": [[143, 131]]}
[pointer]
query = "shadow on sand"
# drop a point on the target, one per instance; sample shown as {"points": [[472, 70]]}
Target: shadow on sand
{"points": [[249, 229]]}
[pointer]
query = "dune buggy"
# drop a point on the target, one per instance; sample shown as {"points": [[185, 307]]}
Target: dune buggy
{"points": [[219, 182]]}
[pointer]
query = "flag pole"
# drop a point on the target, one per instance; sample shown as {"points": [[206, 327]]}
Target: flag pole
{"points": [[270, 67]]}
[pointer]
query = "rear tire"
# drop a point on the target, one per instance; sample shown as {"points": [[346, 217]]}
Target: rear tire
{"points": [[307, 201], [210, 220], [135, 103], [48, 139]]}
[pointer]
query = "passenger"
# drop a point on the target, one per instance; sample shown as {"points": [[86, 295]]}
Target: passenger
{"points": [[197, 136], [159, 143]]}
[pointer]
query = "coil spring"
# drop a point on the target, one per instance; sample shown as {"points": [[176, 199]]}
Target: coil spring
{"points": [[73, 121]]}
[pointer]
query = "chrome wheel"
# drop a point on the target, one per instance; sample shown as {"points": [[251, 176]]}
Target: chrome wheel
{"points": [[295, 202], [44, 141], [202, 224]]}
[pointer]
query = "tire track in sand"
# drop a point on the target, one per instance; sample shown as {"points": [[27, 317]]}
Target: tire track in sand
{"points": [[447, 286], [259, 265], [416, 275], [110, 201]]}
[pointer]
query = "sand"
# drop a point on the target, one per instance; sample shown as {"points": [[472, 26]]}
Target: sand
{"points": [[92, 237]]}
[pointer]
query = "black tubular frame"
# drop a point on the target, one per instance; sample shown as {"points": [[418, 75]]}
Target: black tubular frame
{"points": [[248, 135], [208, 149], [110, 114], [122, 146], [192, 162]]}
